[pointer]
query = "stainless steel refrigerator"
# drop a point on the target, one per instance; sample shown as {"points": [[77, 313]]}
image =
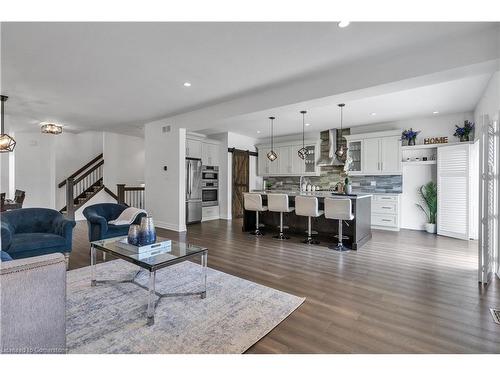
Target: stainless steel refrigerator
{"points": [[193, 190]]}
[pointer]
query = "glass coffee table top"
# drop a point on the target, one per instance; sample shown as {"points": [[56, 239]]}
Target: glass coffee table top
{"points": [[160, 258]]}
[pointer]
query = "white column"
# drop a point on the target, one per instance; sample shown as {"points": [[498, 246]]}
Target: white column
{"points": [[165, 146]]}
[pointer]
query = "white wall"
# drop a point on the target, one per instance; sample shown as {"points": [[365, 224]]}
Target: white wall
{"points": [[4, 173], [165, 190], [72, 152], [415, 176], [124, 160], [35, 170]]}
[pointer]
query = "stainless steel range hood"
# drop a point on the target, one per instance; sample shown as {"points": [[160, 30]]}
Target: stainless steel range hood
{"points": [[327, 149]]}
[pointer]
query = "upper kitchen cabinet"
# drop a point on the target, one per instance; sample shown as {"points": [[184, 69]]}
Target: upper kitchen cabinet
{"points": [[288, 162], [193, 148], [210, 153], [200, 147], [375, 153]]}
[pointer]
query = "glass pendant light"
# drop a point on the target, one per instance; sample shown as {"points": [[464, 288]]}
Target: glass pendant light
{"points": [[303, 151], [51, 129], [7, 143], [341, 150], [271, 155]]}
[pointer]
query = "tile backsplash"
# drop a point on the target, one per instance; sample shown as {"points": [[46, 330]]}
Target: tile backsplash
{"points": [[378, 184], [331, 175]]}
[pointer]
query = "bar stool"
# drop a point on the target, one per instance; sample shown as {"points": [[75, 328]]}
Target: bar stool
{"points": [[308, 206], [253, 202], [279, 203], [339, 209]]}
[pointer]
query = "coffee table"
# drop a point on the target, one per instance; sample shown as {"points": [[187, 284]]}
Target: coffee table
{"points": [[178, 252]]}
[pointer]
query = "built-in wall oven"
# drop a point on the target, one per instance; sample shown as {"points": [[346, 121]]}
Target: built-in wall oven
{"points": [[210, 173], [210, 186]]}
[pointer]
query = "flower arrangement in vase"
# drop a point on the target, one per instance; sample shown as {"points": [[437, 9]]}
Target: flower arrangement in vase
{"points": [[464, 132], [409, 136]]}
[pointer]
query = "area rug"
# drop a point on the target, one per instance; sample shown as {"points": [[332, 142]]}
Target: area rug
{"points": [[112, 318]]}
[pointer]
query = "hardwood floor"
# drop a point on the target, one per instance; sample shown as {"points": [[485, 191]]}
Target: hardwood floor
{"points": [[406, 292]]}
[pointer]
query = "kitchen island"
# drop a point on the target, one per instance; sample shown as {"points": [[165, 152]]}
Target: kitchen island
{"points": [[358, 230]]}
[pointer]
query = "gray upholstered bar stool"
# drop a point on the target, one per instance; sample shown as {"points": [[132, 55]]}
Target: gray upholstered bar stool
{"points": [[279, 203], [339, 209], [253, 202], [308, 206]]}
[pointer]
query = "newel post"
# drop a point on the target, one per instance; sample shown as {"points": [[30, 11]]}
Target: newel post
{"points": [[70, 198], [121, 193]]}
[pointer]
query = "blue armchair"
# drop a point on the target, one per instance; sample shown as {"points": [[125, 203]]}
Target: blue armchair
{"points": [[29, 232], [98, 216]]}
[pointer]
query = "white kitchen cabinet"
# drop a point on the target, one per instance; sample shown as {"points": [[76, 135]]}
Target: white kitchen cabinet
{"points": [[386, 212], [375, 153], [297, 164], [285, 162], [371, 156], [193, 148], [210, 154], [288, 162], [354, 150], [390, 155]]}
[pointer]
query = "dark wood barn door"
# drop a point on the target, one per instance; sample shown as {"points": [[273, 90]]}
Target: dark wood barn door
{"points": [[240, 180]]}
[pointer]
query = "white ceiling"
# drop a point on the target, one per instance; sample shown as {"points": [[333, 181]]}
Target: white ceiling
{"points": [[453, 96], [121, 75]]}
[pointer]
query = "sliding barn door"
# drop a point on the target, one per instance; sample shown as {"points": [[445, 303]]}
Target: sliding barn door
{"points": [[453, 191], [489, 200], [241, 176]]}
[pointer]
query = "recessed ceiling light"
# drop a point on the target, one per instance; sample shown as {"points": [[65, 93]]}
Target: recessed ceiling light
{"points": [[435, 112], [187, 84], [308, 124], [258, 131], [343, 24], [373, 114]]}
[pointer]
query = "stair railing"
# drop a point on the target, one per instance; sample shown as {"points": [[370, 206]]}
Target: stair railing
{"points": [[132, 196], [83, 184]]}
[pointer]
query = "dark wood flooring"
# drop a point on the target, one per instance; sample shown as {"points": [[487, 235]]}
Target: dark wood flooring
{"points": [[406, 292]]}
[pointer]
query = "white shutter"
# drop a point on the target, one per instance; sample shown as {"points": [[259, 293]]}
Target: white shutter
{"points": [[453, 191]]}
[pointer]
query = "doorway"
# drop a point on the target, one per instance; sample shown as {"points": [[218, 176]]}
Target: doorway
{"points": [[240, 179]]}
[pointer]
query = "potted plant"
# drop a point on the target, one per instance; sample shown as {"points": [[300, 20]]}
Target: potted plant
{"points": [[428, 194], [348, 186], [464, 132], [409, 136]]}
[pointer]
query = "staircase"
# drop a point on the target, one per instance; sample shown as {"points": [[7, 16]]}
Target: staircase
{"points": [[82, 185]]}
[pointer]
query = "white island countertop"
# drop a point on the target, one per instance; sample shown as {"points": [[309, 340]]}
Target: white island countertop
{"points": [[317, 194]]}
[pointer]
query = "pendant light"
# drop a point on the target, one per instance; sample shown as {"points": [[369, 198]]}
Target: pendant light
{"points": [[7, 143], [271, 155], [341, 150], [51, 129], [303, 151]]}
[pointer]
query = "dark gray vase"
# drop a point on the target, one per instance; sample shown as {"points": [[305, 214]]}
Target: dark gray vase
{"points": [[147, 232]]}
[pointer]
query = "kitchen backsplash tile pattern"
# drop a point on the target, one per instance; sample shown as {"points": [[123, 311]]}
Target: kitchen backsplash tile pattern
{"points": [[377, 184], [330, 176]]}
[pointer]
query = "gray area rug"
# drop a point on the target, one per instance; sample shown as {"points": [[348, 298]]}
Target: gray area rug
{"points": [[111, 318]]}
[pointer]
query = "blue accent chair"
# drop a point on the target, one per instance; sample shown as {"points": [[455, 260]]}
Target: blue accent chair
{"points": [[29, 232], [98, 216]]}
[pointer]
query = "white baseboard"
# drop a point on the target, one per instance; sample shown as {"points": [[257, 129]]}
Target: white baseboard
{"points": [[210, 218], [170, 226]]}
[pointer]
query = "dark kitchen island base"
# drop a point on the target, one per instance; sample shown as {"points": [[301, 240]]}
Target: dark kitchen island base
{"points": [[358, 230]]}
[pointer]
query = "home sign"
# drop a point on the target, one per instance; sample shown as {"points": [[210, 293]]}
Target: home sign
{"points": [[435, 140]]}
